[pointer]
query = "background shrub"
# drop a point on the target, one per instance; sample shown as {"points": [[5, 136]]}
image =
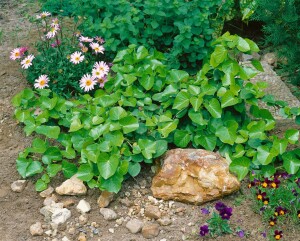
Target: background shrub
{"points": [[282, 32], [181, 29]]}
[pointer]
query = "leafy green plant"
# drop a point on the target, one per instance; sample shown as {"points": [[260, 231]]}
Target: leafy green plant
{"points": [[181, 29], [144, 108], [282, 33], [55, 65]]}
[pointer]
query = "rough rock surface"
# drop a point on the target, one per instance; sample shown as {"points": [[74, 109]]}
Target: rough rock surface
{"points": [[83, 206], [72, 186], [36, 229], [135, 225], [193, 176], [150, 231], [108, 214]]}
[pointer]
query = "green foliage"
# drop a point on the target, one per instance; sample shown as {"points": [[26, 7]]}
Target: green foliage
{"points": [[59, 7], [144, 108], [181, 29], [282, 33]]}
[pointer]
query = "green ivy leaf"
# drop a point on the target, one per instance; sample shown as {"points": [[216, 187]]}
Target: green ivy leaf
{"points": [[197, 117], [161, 148], [228, 134], [33, 168], [117, 113], [107, 165], [112, 184], [292, 136], [177, 76], [40, 185], [181, 101], [69, 169], [38, 146], [228, 99], [240, 166], [134, 168], [51, 154], [99, 130], [264, 156], [182, 138], [196, 102], [257, 65], [49, 131], [214, 108], [148, 147], [115, 138], [166, 128], [218, 56], [243, 45], [141, 53], [69, 153], [53, 169], [291, 163], [85, 172], [129, 124], [207, 141]]}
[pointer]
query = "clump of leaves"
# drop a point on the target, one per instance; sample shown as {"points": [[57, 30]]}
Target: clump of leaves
{"points": [[145, 107]]}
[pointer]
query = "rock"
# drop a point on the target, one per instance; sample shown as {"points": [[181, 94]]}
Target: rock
{"points": [[105, 199], [47, 211], [68, 203], [49, 200], [120, 221], [194, 176], [36, 229], [83, 219], [126, 202], [152, 211], [81, 237], [270, 58], [150, 231], [83, 206], [72, 231], [164, 221], [108, 214], [134, 225], [60, 216], [72, 186], [47, 192], [65, 238], [111, 230], [18, 186]]}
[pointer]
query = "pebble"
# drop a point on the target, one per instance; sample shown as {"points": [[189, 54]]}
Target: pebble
{"points": [[150, 231], [153, 200], [163, 239], [135, 225], [108, 214], [72, 186], [83, 219], [68, 203], [47, 192], [36, 229], [120, 221], [126, 202], [152, 212], [81, 237], [50, 199], [105, 199], [65, 238], [164, 221], [18, 186], [61, 216], [111, 230], [83, 206], [72, 231]]}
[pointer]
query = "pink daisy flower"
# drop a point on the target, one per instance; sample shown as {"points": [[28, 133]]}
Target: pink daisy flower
{"points": [[76, 57], [97, 48], [85, 39], [87, 82], [27, 62], [43, 15], [15, 54], [41, 82], [102, 81]]}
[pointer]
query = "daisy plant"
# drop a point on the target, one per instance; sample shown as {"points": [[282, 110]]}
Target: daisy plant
{"points": [[72, 63]]}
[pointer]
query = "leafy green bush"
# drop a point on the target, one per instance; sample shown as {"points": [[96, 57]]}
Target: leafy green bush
{"points": [[282, 32], [145, 107], [59, 7], [55, 65], [181, 29]]}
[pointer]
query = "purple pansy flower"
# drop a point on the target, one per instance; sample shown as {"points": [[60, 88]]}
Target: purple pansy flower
{"points": [[241, 233], [226, 213], [220, 206], [205, 211], [204, 230]]}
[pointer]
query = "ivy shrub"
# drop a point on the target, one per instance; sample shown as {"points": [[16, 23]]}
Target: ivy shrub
{"points": [[145, 108], [181, 29]]}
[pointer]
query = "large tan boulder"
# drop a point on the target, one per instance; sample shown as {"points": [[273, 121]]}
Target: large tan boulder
{"points": [[194, 176]]}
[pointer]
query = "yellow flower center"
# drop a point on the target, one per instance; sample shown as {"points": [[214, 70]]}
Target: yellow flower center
{"points": [[266, 202], [273, 185], [27, 61], [272, 223], [52, 30], [265, 184], [96, 49], [17, 54], [100, 81], [281, 212], [77, 58], [42, 82], [88, 82], [277, 237], [259, 196], [276, 213], [101, 68]]}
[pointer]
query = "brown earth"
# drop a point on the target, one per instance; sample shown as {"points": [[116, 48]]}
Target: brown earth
{"points": [[20, 210]]}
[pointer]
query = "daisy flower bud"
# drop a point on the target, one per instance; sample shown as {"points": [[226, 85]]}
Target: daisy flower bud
{"points": [[76, 57], [27, 62]]}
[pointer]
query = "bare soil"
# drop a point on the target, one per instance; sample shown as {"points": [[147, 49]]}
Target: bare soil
{"points": [[20, 210]]}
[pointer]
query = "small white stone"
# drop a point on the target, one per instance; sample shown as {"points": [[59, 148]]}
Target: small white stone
{"points": [[127, 194], [18, 186], [47, 192], [83, 219], [48, 232], [83, 206], [65, 238], [60, 216], [171, 204], [111, 230], [164, 239], [120, 221], [36, 229], [108, 214]]}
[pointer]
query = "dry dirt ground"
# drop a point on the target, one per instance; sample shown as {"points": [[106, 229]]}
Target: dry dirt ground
{"points": [[20, 210]]}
